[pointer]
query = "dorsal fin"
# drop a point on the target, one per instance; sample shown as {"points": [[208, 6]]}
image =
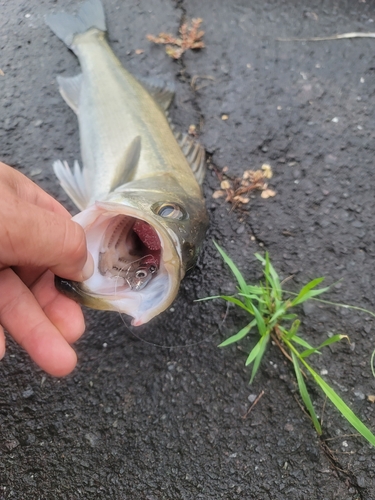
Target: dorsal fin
{"points": [[129, 163], [161, 90], [195, 155], [70, 89]]}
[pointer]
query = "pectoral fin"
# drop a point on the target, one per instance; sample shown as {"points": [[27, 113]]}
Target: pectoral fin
{"points": [[75, 183]]}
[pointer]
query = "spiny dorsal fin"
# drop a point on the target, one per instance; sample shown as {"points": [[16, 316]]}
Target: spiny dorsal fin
{"points": [[161, 90], [195, 155]]}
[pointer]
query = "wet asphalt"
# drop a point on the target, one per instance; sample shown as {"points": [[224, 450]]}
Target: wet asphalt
{"points": [[160, 412]]}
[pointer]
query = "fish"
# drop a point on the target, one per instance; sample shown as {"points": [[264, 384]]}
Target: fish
{"points": [[139, 190]]}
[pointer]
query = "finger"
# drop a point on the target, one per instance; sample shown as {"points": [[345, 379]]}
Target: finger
{"points": [[2, 343], [32, 236], [62, 312], [22, 317], [29, 191]]}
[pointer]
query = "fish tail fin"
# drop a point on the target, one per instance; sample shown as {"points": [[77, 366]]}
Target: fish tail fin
{"points": [[73, 182], [66, 26]]}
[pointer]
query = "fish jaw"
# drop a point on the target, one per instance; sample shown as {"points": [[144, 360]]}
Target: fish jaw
{"points": [[106, 290]]}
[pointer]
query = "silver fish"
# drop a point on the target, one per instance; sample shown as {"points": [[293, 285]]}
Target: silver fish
{"points": [[140, 186]]}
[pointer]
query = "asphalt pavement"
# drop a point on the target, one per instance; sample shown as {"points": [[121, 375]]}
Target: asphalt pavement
{"points": [[160, 412]]}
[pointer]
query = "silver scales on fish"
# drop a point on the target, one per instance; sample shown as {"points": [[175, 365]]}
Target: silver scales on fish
{"points": [[140, 186]]}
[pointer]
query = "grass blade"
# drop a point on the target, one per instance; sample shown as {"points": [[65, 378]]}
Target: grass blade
{"points": [[263, 344], [240, 335], [341, 406], [236, 272], [237, 302], [306, 292], [254, 352], [333, 339], [305, 395], [273, 278], [301, 342], [260, 321], [293, 329], [256, 290], [308, 352], [279, 312]]}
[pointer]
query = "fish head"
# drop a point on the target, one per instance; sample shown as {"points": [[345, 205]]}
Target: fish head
{"points": [[142, 243]]}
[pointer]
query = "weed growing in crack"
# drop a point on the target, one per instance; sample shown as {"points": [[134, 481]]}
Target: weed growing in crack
{"points": [[271, 316]]}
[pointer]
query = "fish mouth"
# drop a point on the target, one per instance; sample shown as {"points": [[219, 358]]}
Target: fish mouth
{"points": [[136, 262]]}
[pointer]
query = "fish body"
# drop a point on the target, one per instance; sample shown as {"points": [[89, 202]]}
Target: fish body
{"points": [[139, 190]]}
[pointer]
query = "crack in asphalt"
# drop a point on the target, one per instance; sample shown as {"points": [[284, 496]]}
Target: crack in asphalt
{"points": [[343, 474]]}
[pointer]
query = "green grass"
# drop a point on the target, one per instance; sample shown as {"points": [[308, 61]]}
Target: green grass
{"points": [[273, 317]]}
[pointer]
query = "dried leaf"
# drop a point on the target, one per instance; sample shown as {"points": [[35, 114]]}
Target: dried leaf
{"points": [[241, 199], [237, 189], [192, 130], [267, 171], [218, 194], [191, 38], [268, 193], [225, 184], [371, 399]]}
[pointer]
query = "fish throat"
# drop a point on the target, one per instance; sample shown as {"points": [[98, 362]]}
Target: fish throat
{"points": [[130, 251]]}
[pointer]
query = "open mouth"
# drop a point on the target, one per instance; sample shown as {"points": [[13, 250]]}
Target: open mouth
{"points": [[137, 264], [130, 252]]}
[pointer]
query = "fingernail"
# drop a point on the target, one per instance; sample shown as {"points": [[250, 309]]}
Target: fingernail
{"points": [[88, 268]]}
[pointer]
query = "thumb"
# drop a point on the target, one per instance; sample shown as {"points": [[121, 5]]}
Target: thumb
{"points": [[33, 236]]}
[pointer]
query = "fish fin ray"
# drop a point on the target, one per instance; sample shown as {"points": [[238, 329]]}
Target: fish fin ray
{"points": [[161, 90], [195, 155], [70, 89], [130, 162], [66, 26], [74, 183]]}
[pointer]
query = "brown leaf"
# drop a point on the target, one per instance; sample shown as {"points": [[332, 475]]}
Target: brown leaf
{"points": [[268, 193], [225, 184], [190, 38], [218, 194]]}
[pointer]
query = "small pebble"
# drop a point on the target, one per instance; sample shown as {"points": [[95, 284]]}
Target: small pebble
{"points": [[359, 395], [28, 393]]}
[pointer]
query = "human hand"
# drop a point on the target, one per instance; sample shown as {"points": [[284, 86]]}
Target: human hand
{"points": [[37, 240]]}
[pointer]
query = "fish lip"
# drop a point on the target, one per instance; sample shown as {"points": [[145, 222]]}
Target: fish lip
{"points": [[69, 288]]}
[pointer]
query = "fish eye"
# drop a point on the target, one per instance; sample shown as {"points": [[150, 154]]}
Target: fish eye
{"points": [[169, 210]]}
